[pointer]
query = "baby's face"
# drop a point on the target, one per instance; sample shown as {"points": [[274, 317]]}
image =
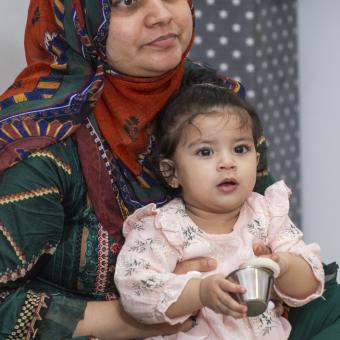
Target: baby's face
{"points": [[216, 161]]}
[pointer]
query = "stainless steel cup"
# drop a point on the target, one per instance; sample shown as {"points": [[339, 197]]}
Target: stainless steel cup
{"points": [[258, 282]]}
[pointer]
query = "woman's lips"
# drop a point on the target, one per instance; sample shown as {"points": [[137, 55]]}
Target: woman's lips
{"points": [[164, 41]]}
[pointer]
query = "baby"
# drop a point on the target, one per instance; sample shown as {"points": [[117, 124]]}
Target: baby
{"points": [[207, 153]]}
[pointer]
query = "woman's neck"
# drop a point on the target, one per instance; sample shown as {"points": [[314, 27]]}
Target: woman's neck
{"points": [[212, 222]]}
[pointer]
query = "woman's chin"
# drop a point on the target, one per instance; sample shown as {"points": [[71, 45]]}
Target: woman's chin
{"points": [[160, 65], [160, 70]]}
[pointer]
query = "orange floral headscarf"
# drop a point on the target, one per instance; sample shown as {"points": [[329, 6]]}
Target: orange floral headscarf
{"points": [[65, 79]]}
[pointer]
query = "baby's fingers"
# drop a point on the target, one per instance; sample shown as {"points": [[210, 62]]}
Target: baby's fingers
{"points": [[227, 299], [229, 306], [231, 287]]}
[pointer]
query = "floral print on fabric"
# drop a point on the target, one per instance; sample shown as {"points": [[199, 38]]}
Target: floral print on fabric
{"points": [[158, 238]]}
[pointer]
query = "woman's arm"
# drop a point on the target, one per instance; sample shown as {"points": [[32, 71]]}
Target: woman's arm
{"points": [[107, 320], [31, 228]]}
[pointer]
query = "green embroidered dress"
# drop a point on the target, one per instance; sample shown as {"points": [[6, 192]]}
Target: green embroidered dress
{"points": [[55, 255], [49, 231]]}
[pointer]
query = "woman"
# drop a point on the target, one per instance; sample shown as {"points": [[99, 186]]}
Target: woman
{"points": [[74, 138]]}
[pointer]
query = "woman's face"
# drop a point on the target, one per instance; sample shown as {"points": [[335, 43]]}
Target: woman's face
{"points": [[148, 37]]}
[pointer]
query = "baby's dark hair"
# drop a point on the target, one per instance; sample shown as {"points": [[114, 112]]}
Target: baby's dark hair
{"points": [[202, 91]]}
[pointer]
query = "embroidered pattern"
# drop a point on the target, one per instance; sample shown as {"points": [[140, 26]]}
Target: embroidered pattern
{"points": [[21, 271], [263, 323], [257, 229], [58, 162], [131, 128], [190, 232], [26, 195], [59, 11], [139, 225], [46, 88], [13, 244], [103, 253], [289, 231], [108, 165], [111, 296], [151, 283], [36, 15], [131, 266], [18, 129], [29, 315], [141, 246], [3, 296]]}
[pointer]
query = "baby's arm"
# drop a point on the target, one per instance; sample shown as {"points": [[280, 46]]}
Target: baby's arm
{"points": [[301, 274], [302, 278], [144, 271], [212, 292], [296, 278]]}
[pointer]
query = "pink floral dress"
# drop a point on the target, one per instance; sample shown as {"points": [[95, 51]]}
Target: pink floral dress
{"points": [[157, 239]]}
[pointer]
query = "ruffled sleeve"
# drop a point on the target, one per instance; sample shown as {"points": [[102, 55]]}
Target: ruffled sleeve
{"points": [[277, 198], [144, 271], [284, 236]]}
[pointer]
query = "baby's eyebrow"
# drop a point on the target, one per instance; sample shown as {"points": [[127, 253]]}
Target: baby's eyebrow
{"points": [[200, 141], [245, 139]]}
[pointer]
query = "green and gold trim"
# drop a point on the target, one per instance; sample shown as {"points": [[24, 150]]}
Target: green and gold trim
{"points": [[25, 327]]}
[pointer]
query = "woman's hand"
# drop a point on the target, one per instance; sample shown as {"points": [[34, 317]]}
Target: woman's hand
{"points": [[261, 249], [207, 264], [215, 293], [199, 264]]}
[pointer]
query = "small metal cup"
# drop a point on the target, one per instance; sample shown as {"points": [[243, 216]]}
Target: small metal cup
{"points": [[258, 282]]}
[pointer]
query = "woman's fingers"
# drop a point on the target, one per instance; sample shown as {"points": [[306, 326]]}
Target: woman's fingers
{"points": [[277, 307], [261, 249], [187, 325], [200, 264]]}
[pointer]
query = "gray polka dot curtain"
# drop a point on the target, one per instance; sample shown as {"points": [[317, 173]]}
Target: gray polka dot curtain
{"points": [[255, 42]]}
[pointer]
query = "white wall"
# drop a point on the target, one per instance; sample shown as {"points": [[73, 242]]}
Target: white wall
{"points": [[12, 24], [319, 62]]}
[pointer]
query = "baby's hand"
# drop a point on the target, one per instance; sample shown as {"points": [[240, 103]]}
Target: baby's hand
{"points": [[282, 259], [215, 294]]}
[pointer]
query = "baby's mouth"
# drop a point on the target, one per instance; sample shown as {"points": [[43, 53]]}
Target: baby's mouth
{"points": [[228, 183]]}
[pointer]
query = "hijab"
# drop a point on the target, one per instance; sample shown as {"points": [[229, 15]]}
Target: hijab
{"points": [[67, 77]]}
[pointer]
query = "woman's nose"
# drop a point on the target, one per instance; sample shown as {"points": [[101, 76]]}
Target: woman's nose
{"points": [[157, 13]]}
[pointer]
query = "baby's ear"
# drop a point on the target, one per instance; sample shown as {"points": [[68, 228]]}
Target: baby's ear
{"points": [[257, 158], [168, 171]]}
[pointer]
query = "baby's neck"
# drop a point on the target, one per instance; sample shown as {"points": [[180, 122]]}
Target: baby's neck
{"points": [[213, 223]]}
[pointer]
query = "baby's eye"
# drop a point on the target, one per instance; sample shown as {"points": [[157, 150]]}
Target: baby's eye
{"points": [[204, 152], [241, 148]]}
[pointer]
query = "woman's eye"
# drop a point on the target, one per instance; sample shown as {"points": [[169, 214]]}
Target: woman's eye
{"points": [[204, 152], [126, 3], [241, 149]]}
